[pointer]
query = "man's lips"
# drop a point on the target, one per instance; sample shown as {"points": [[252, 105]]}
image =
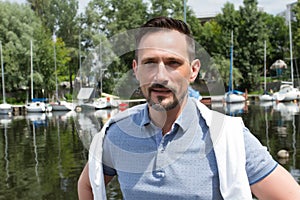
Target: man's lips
{"points": [[160, 90]]}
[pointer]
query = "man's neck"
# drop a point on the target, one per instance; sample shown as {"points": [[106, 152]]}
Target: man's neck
{"points": [[166, 119]]}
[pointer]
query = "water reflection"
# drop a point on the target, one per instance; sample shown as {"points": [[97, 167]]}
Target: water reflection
{"points": [[88, 123], [43, 153], [232, 109], [287, 109], [5, 120]]}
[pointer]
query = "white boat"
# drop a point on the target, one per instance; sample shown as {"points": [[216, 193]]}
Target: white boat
{"points": [[102, 103], [5, 108], [266, 96], [287, 91], [62, 106], [36, 105], [233, 96]]}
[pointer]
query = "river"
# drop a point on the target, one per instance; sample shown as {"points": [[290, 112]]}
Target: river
{"points": [[42, 155]]}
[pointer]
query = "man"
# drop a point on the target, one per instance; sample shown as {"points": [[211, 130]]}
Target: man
{"points": [[173, 147]]}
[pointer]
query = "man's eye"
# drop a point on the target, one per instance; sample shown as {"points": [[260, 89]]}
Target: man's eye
{"points": [[149, 64], [173, 63]]}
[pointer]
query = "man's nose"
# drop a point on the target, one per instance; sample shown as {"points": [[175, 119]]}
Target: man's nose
{"points": [[161, 73]]}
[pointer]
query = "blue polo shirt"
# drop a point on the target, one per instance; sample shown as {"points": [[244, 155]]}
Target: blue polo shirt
{"points": [[179, 165]]}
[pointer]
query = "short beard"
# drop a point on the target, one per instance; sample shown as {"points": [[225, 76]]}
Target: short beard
{"points": [[160, 107]]}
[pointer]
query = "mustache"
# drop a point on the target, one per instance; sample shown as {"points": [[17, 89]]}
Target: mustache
{"points": [[157, 85]]}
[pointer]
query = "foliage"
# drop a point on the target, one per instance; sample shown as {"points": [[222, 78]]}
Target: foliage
{"points": [[18, 26], [250, 27], [221, 70], [251, 37], [278, 35], [102, 26]]}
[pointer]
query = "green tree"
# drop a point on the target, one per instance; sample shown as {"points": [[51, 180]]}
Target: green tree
{"points": [[229, 21], [43, 11], [175, 9], [249, 49], [277, 31], [60, 17], [18, 26], [220, 72]]}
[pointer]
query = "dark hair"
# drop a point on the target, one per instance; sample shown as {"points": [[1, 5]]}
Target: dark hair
{"points": [[166, 23]]}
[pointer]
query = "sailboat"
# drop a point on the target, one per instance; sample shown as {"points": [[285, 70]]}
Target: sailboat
{"points": [[5, 108], [59, 105], [36, 105], [233, 96], [266, 96], [287, 91]]}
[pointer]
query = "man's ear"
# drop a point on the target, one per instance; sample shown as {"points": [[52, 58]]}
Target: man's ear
{"points": [[195, 68], [135, 68]]}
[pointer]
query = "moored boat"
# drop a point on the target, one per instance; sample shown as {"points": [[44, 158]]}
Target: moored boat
{"points": [[287, 92], [62, 106], [233, 96]]}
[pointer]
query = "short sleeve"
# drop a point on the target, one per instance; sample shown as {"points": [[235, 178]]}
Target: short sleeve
{"points": [[259, 162]]}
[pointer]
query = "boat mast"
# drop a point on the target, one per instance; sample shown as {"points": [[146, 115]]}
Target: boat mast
{"points": [[31, 70], [291, 44], [265, 68], [230, 86], [54, 50], [2, 71], [79, 55]]}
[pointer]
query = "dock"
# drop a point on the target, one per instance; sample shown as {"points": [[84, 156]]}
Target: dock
{"points": [[18, 109]]}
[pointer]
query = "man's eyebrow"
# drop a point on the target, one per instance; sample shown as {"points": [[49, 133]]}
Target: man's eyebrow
{"points": [[174, 58], [148, 58]]}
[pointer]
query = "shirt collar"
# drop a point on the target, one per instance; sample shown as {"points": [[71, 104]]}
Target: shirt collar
{"points": [[145, 116], [184, 120], [187, 115]]}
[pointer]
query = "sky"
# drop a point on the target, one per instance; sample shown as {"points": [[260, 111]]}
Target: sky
{"points": [[211, 7]]}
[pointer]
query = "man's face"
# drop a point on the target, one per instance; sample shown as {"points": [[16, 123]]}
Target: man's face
{"points": [[163, 69]]}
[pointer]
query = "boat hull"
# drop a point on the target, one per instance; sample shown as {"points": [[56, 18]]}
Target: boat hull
{"points": [[5, 109], [97, 104], [37, 107], [62, 106], [234, 98], [287, 93], [266, 97]]}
